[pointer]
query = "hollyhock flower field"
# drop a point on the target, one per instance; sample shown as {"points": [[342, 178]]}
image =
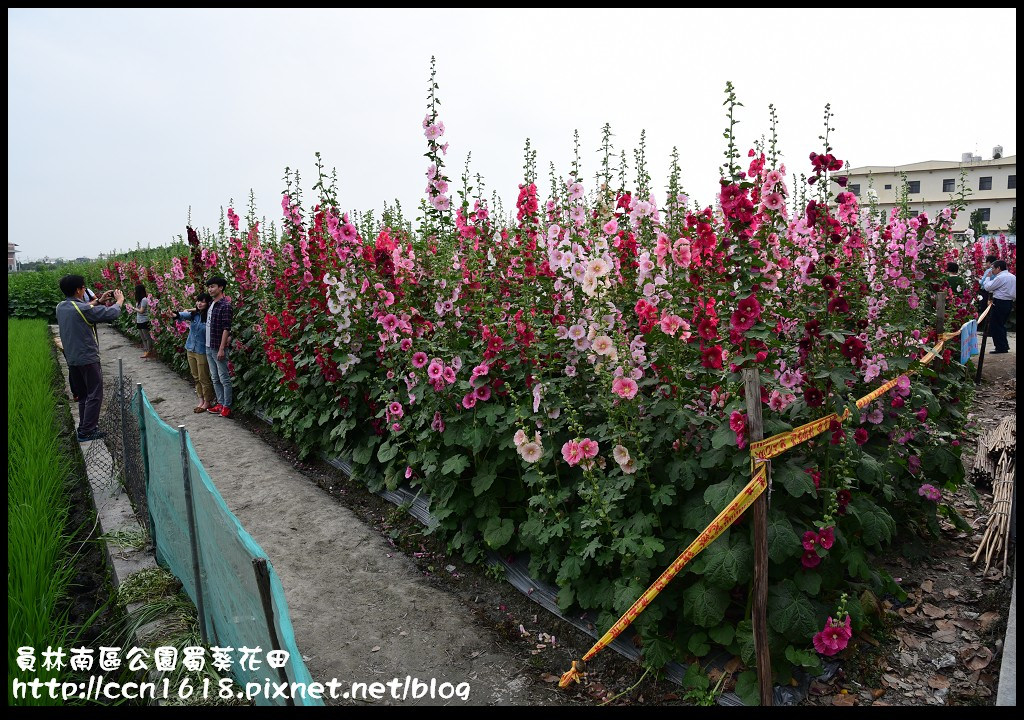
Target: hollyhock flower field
{"points": [[563, 379]]}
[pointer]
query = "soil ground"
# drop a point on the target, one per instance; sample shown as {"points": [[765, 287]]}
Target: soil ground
{"points": [[372, 598]]}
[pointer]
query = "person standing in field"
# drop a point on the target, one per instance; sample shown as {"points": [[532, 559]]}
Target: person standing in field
{"points": [[77, 320], [983, 294], [218, 327], [142, 321], [195, 350], [1002, 285]]}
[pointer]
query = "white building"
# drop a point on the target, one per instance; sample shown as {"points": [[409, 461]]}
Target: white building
{"points": [[932, 184], [12, 260]]}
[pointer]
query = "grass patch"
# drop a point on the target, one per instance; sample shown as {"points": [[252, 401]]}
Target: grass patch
{"points": [[40, 564]]}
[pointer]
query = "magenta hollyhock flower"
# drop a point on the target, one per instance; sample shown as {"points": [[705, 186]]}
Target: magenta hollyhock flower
{"points": [[737, 421], [834, 637], [810, 559], [930, 492], [448, 374], [396, 410], [810, 540], [826, 537], [914, 464], [437, 424], [419, 359], [483, 393], [571, 452], [922, 414], [469, 400]]}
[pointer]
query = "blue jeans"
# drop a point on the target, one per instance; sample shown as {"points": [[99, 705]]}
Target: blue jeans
{"points": [[220, 377]]}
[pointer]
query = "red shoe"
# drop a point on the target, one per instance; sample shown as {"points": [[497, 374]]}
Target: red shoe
{"points": [[225, 412], [215, 409]]}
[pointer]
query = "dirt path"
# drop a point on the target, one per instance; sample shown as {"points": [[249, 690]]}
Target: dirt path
{"points": [[360, 610]]}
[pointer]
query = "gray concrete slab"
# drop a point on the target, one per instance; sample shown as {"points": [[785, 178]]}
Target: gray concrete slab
{"points": [[1007, 692]]}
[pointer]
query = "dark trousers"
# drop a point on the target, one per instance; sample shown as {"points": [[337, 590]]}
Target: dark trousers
{"points": [[1000, 311], [88, 379]]}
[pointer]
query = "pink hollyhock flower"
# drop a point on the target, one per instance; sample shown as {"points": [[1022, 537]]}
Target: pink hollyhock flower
{"points": [[930, 492], [482, 369], [611, 227], [396, 410], [774, 201], [406, 344], [520, 438], [826, 537], [903, 382], [469, 400], [588, 448], [419, 359], [435, 371], [483, 393], [408, 471], [810, 540], [922, 414], [449, 375], [810, 559], [389, 322], [571, 452], [531, 452], [624, 387], [834, 637]]}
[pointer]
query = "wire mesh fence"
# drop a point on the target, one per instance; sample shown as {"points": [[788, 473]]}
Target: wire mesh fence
{"points": [[119, 456]]}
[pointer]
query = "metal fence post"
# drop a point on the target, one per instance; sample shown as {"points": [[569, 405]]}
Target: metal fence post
{"points": [[259, 566], [193, 536], [144, 453]]}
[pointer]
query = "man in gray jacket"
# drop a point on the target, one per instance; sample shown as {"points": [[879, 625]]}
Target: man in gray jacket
{"points": [[77, 321]]}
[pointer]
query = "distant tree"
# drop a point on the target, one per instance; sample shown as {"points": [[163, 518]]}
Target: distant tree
{"points": [[980, 228], [1011, 227]]}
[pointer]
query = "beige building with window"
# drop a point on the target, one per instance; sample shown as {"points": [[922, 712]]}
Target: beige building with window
{"points": [[12, 260], [992, 184]]}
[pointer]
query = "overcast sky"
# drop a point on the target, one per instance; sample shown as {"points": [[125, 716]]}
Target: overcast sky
{"points": [[120, 120]]}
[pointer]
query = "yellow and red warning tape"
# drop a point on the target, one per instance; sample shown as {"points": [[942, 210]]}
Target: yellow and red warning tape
{"points": [[760, 452]]}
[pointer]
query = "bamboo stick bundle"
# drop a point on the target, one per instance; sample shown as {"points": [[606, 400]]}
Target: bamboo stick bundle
{"points": [[1003, 438], [995, 542]]}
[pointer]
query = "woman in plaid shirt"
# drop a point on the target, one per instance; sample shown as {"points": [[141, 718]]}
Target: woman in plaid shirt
{"points": [[218, 326]]}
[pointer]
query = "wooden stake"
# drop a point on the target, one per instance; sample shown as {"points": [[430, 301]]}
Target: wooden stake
{"points": [[759, 612]]}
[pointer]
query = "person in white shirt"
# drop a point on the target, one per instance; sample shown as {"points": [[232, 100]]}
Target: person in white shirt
{"points": [[1002, 285]]}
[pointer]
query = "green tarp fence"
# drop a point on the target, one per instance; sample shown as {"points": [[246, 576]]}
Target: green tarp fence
{"points": [[233, 613]]}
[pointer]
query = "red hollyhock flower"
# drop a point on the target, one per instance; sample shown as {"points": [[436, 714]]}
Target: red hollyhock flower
{"points": [[860, 435], [810, 559], [826, 537], [813, 396], [711, 357], [838, 304], [708, 329]]}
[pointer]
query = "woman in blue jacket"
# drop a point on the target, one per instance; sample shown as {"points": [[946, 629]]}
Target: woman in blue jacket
{"points": [[195, 350]]}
